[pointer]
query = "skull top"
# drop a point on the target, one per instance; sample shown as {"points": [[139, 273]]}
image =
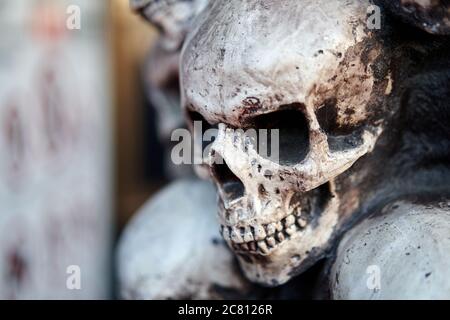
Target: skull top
{"points": [[248, 58]]}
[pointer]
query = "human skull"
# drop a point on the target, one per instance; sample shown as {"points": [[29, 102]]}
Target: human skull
{"points": [[309, 68]]}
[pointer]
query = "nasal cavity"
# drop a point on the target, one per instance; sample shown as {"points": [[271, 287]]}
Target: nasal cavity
{"points": [[231, 186], [293, 133]]}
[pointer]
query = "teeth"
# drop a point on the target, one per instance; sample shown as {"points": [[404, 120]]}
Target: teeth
{"points": [[248, 236], [291, 230], [271, 241], [236, 236], [226, 233], [289, 220], [264, 237], [263, 247], [279, 226], [233, 218], [301, 222], [260, 233], [280, 236], [271, 228]]}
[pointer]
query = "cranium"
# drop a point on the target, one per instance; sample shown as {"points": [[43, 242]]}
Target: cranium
{"points": [[311, 69]]}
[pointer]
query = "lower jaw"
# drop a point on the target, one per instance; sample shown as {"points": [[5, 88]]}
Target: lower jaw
{"points": [[270, 243], [289, 257], [274, 267], [277, 268], [304, 213]]}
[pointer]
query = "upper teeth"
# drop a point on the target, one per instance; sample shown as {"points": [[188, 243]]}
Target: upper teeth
{"points": [[263, 238], [248, 235], [260, 233], [289, 220]]}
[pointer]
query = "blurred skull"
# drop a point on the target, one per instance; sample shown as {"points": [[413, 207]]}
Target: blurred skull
{"points": [[171, 17]]}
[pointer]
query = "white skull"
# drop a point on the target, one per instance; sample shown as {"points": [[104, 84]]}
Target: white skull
{"points": [[308, 68]]}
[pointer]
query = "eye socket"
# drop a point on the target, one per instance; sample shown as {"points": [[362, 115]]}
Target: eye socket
{"points": [[340, 136], [293, 133], [327, 116]]}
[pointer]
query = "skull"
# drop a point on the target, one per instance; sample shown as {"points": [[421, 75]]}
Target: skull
{"points": [[171, 17], [309, 68]]}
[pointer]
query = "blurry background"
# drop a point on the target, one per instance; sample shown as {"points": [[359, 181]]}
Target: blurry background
{"points": [[79, 152], [140, 169]]}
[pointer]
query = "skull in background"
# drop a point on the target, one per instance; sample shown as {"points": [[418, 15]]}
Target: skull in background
{"points": [[171, 17], [311, 69]]}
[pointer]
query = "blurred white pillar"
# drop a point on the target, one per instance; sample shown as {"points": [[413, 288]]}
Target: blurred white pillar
{"points": [[55, 151]]}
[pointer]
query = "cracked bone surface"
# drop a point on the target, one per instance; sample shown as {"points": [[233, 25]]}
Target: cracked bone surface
{"points": [[172, 248], [305, 68], [403, 253]]}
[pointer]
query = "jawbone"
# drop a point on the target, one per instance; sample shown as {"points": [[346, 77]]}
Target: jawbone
{"points": [[271, 253]]}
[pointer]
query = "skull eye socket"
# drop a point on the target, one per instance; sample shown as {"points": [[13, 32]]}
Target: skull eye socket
{"points": [[327, 116], [293, 133], [333, 124], [341, 134]]}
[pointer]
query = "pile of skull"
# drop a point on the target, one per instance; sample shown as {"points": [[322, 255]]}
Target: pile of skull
{"points": [[357, 205]]}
